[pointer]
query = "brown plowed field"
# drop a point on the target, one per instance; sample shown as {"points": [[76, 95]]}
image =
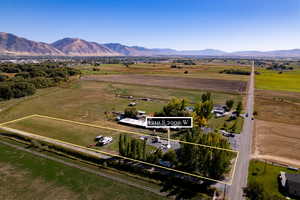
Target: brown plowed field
{"points": [[231, 86]]}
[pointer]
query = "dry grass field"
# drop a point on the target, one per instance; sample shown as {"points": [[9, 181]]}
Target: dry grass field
{"points": [[278, 126], [277, 142], [231, 86], [200, 70], [281, 107]]}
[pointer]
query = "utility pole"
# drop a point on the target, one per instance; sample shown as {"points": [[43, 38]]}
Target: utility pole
{"points": [[169, 144]]}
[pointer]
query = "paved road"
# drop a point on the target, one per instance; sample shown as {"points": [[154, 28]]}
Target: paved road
{"points": [[235, 191], [96, 172]]}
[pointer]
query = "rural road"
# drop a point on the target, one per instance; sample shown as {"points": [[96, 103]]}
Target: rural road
{"points": [[96, 172], [235, 191]]}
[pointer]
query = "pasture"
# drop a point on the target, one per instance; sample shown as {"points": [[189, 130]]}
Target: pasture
{"points": [[26, 176], [87, 101], [273, 80]]}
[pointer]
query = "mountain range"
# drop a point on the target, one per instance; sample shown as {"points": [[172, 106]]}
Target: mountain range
{"points": [[11, 44]]}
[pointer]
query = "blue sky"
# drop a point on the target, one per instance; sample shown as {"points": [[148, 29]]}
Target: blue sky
{"points": [[229, 25]]}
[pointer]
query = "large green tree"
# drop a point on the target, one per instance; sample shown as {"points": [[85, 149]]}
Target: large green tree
{"points": [[175, 108], [229, 104], [239, 108], [205, 161]]}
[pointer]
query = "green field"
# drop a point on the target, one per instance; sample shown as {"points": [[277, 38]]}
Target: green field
{"points": [[26, 176], [70, 132], [164, 69], [272, 80], [266, 174], [86, 101], [217, 123]]}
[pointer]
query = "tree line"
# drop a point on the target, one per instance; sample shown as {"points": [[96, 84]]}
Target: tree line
{"points": [[191, 158], [235, 71], [26, 78]]}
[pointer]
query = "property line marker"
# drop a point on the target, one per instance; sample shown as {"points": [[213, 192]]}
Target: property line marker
{"points": [[123, 157], [19, 119]]}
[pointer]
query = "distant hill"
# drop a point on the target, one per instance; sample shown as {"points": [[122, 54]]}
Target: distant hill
{"points": [[205, 52], [14, 45], [277, 53], [11, 44], [79, 47]]}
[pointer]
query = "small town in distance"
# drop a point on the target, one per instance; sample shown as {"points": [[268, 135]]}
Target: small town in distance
{"points": [[128, 101]]}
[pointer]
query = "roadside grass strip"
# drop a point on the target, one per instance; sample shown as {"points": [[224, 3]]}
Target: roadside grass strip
{"points": [[127, 158]]}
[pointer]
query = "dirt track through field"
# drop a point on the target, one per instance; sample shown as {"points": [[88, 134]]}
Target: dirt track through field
{"points": [[231, 86]]}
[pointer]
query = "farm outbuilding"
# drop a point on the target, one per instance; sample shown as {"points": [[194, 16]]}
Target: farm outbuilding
{"points": [[133, 122], [290, 183]]}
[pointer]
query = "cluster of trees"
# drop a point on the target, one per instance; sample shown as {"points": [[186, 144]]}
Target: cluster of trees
{"points": [[175, 108], [229, 104], [279, 67], [191, 158], [201, 160], [137, 149], [239, 107], [185, 62], [175, 66], [235, 71], [203, 110], [130, 112], [10, 90], [132, 147], [27, 78]]}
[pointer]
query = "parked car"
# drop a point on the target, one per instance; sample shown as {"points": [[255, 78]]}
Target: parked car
{"points": [[103, 140], [227, 134]]}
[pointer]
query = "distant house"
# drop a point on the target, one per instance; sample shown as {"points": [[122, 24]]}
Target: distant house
{"points": [[290, 183]]}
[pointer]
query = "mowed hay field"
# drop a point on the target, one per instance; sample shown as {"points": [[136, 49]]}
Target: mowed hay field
{"points": [[277, 126], [200, 70], [66, 131], [25, 176], [232, 86], [277, 142]]}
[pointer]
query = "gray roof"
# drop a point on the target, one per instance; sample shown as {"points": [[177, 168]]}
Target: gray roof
{"points": [[293, 184]]}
